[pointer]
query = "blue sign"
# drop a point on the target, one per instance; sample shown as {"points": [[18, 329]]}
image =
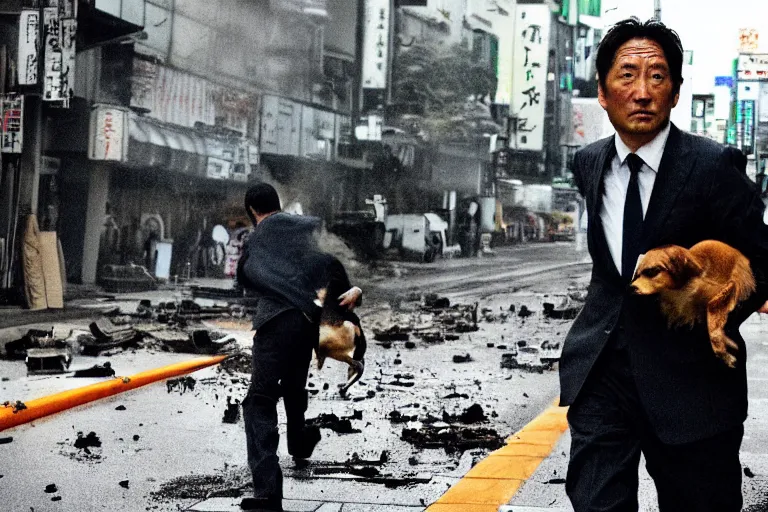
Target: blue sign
{"points": [[724, 80]]}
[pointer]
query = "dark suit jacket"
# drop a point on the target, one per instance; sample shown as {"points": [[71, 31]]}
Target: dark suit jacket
{"points": [[687, 393]]}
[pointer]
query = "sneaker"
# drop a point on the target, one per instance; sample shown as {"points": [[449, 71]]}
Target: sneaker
{"points": [[306, 444], [261, 505]]}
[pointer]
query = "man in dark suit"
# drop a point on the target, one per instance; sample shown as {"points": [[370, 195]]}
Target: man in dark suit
{"points": [[635, 386], [281, 268]]}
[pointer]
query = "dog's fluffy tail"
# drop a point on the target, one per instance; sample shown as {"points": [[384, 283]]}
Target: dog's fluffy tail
{"points": [[743, 277]]}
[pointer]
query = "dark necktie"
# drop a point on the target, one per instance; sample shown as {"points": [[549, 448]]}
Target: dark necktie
{"points": [[633, 219]]}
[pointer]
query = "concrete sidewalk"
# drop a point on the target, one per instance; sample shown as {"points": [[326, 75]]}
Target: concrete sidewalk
{"points": [[545, 489]]}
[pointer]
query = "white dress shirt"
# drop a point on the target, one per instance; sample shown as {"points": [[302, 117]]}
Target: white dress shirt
{"points": [[616, 182]]}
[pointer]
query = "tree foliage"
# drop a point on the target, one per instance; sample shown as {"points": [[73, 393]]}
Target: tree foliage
{"points": [[442, 93]]}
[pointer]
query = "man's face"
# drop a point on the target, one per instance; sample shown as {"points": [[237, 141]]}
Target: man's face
{"points": [[639, 93]]}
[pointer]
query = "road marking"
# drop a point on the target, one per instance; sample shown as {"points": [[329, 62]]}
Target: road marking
{"points": [[39, 407], [495, 480]]}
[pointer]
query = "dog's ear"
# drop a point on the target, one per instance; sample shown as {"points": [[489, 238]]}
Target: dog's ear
{"points": [[684, 266]]}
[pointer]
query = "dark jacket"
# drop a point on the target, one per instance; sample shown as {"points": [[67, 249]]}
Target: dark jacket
{"points": [[687, 393], [276, 267]]}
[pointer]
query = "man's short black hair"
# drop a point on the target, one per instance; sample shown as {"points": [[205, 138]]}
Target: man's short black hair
{"points": [[632, 28], [263, 198]]}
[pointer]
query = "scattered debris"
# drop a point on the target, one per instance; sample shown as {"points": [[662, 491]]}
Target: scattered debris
{"points": [[410, 344], [452, 438], [34, 338], [124, 484], [456, 395], [431, 300], [490, 345], [341, 425], [182, 383], [526, 358], [398, 417], [89, 441], [232, 414], [462, 358], [120, 408], [394, 333], [557, 481], [48, 360], [106, 335], [6, 440], [564, 312], [51, 488], [96, 370], [17, 406], [524, 312], [748, 472], [473, 414], [242, 362]]}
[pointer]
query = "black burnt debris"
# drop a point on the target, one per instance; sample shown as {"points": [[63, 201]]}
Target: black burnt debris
{"points": [[232, 412], [452, 438], [97, 370], [181, 384], [464, 358], [17, 406], [340, 425], [86, 442]]}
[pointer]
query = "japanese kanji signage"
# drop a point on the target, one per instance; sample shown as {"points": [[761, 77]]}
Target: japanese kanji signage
{"points": [[753, 66], [529, 75], [59, 48], [108, 133], [29, 31], [376, 44], [12, 109]]}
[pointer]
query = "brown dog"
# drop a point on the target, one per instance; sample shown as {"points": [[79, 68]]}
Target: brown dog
{"points": [[341, 337], [704, 283]]}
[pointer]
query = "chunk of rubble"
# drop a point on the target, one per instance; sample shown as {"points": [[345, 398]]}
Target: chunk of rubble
{"points": [[106, 335], [182, 384], [394, 333], [340, 425], [560, 313], [464, 358], [232, 412], [452, 438], [96, 370]]}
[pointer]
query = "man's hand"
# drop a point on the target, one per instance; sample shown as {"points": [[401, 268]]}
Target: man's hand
{"points": [[350, 298], [763, 308]]}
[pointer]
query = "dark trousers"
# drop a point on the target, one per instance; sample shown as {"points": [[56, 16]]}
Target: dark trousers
{"points": [[282, 351], [609, 431]]}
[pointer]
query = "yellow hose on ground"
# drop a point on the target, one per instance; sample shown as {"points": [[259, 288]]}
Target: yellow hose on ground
{"points": [[11, 416]]}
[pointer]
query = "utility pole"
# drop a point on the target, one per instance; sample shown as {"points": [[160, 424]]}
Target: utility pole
{"points": [[657, 9]]}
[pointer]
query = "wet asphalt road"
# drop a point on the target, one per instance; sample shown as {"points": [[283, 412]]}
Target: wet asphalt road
{"points": [[185, 452]]}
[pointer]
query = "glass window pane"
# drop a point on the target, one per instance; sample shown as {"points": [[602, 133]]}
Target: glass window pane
{"points": [[109, 6], [133, 11]]}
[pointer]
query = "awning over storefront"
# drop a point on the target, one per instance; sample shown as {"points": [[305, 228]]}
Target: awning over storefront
{"points": [[152, 144]]}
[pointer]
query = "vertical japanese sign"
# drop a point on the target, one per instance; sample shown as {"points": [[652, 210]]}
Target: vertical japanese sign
{"points": [[29, 31], [108, 133], [59, 50], [376, 44], [68, 35], [529, 75], [12, 109], [53, 58]]}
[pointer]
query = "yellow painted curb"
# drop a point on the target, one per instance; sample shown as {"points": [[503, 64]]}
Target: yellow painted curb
{"points": [[496, 479], [72, 398]]}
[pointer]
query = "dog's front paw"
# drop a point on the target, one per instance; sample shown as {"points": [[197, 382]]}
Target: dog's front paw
{"points": [[728, 359]]}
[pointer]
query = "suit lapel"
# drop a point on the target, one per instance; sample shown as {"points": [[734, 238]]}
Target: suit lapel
{"points": [[606, 154], [675, 167]]}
